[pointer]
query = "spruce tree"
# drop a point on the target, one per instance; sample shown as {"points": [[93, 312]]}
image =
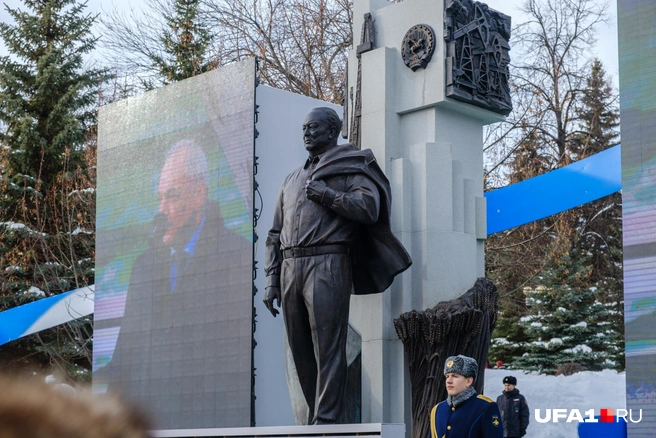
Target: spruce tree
{"points": [[47, 202], [47, 97], [567, 322], [185, 42], [170, 41], [515, 257], [599, 115], [588, 236], [599, 223]]}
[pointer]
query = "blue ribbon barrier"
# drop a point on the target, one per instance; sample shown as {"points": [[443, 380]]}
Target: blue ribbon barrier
{"points": [[45, 313], [554, 192], [568, 187]]}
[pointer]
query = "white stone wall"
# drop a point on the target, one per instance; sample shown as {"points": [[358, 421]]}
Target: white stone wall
{"points": [[431, 149]]}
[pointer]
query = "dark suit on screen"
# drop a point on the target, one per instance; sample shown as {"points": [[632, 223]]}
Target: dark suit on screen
{"points": [[172, 341]]}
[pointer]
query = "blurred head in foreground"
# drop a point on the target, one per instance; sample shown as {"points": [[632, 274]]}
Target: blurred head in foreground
{"points": [[37, 410]]}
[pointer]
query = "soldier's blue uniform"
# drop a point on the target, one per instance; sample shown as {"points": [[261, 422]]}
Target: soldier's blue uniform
{"points": [[476, 417]]}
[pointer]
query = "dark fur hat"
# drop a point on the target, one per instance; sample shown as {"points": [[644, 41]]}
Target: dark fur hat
{"points": [[463, 365], [510, 380]]}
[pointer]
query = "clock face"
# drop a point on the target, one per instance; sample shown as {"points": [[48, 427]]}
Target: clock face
{"points": [[418, 46]]}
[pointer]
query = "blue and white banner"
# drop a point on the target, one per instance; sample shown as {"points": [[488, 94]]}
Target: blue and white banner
{"points": [[46, 313], [568, 187]]}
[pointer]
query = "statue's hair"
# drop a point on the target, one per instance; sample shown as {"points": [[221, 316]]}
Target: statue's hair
{"points": [[332, 116], [37, 410], [195, 162]]}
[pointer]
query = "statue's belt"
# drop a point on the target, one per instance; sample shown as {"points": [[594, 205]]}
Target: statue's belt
{"points": [[314, 250]]}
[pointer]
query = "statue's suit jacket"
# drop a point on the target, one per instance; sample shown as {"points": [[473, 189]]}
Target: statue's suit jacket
{"points": [[378, 255]]}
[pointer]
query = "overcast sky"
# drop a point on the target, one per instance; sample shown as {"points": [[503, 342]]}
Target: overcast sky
{"points": [[606, 48]]}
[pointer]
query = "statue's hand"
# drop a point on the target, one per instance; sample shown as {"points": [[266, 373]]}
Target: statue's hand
{"points": [[318, 191], [271, 294], [314, 190]]}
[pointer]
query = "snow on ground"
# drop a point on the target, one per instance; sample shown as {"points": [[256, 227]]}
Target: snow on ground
{"points": [[582, 391]]}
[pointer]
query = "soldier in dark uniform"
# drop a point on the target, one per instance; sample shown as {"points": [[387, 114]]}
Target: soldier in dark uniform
{"points": [[464, 413], [514, 409]]}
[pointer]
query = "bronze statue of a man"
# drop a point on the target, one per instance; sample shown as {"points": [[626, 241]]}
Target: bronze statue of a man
{"points": [[330, 237]]}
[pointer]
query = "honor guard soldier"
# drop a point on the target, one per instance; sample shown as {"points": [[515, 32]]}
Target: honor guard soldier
{"points": [[464, 413]]}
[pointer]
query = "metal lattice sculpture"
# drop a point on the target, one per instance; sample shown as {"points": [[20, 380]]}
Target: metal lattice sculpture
{"points": [[461, 326], [477, 55]]}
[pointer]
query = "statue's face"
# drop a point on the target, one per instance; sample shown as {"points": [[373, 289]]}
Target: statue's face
{"points": [[318, 134]]}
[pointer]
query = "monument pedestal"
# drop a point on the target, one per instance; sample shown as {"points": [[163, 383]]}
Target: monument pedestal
{"points": [[372, 430], [431, 148]]}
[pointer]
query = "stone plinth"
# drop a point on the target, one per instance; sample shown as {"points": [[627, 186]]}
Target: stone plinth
{"points": [[375, 430], [431, 148]]}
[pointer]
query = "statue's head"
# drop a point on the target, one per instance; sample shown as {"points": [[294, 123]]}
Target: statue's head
{"points": [[321, 129]]}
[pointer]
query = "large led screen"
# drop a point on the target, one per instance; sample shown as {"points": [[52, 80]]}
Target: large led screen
{"points": [[174, 278], [637, 35]]}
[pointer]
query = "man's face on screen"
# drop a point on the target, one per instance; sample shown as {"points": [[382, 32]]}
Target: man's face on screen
{"points": [[181, 195]]}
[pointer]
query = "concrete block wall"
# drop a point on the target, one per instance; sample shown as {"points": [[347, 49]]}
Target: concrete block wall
{"points": [[431, 149]]}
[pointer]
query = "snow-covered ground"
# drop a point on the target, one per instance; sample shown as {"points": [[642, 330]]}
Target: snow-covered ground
{"points": [[582, 391]]}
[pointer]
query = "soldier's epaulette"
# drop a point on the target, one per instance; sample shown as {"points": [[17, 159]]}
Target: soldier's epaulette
{"points": [[487, 399]]}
